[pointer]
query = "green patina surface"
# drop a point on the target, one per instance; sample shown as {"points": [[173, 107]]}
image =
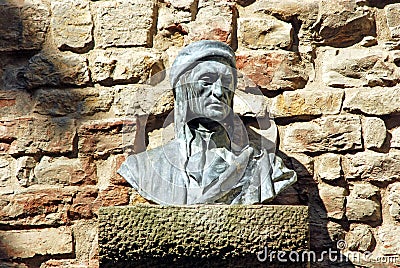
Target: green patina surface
{"points": [[188, 236]]}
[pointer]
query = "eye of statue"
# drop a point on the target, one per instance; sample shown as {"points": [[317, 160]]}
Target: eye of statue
{"points": [[226, 80], [208, 79]]}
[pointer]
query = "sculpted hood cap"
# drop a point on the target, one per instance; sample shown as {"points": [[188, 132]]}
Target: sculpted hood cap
{"points": [[195, 52]]}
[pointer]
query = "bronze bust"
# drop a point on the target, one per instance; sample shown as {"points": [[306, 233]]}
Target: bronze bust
{"points": [[204, 164]]}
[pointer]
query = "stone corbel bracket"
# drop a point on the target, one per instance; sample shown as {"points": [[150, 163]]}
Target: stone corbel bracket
{"points": [[201, 235]]}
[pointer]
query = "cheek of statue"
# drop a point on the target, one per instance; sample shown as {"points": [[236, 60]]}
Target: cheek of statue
{"points": [[196, 104], [204, 103]]}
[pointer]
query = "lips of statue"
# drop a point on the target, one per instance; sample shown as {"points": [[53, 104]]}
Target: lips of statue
{"points": [[213, 89]]}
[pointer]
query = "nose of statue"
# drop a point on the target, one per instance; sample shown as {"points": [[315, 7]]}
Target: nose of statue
{"points": [[217, 89]]}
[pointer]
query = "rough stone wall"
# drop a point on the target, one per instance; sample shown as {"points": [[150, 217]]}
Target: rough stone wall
{"points": [[71, 71]]}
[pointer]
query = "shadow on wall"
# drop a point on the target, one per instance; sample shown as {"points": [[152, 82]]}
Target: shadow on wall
{"points": [[25, 73], [32, 111], [381, 3], [324, 235]]}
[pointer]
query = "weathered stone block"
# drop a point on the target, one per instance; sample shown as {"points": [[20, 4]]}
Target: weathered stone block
{"points": [[107, 172], [375, 101], [365, 190], [85, 238], [73, 101], [328, 167], [273, 70], [124, 65], [372, 166], [360, 238], [57, 102], [335, 232], [284, 9], [390, 242], [334, 198], [305, 11], [395, 141], [34, 134], [190, 235], [172, 23], [374, 132], [394, 200], [37, 206], [342, 23], [356, 67], [214, 21], [35, 21], [24, 170], [101, 137], [113, 196], [362, 210], [247, 104], [170, 16], [24, 24], [15, 103], [54, 69], [83, 203], [173, 37], [7, 169], [363, 204], [10, 32], [96, 100], [65, 171], [72, 25], [393, 19], [327, 134], [28, 243], [66, 263], [306, 102], [302, 164], [159, 137], [125, 23], [265, 33], [143, 100]]}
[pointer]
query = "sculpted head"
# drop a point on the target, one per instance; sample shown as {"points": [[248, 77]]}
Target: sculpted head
{"points": [[205, 73]]}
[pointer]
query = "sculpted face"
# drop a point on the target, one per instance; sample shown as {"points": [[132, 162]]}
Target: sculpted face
{"points": [[212, 90]]}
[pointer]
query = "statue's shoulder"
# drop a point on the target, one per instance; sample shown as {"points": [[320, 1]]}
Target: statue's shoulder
{"points": [[157, 153]]}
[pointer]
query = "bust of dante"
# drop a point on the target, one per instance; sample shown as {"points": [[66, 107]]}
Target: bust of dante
{"points": [[203, 164]]}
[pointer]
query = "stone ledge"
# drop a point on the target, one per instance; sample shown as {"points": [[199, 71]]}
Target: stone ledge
{"points": [[194, 236]]}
